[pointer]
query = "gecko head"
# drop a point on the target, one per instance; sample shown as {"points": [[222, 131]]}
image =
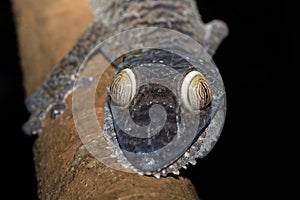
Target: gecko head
{"points": [[158, 110]]}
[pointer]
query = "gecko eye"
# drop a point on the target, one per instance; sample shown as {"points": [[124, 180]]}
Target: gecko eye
{"points": [[195, 91], [123, 87]]}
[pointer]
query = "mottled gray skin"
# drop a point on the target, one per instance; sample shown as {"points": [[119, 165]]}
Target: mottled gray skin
{"points": [[113, 17], [51, 96]]}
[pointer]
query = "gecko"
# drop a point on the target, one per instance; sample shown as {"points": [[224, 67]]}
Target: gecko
{"points": [[113, 17]]}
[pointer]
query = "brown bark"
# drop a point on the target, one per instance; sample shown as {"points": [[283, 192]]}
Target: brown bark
{"points": [[64, 169]]}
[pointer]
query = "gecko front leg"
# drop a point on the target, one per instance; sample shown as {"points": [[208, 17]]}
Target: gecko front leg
{"points": [[51, 96], [215, 32]]}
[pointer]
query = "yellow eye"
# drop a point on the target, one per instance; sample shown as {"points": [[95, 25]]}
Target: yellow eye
{"points": [[123, 87], [195, 91]]}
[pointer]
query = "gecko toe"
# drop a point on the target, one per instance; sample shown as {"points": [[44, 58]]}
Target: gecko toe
{"points": [[30, 104], [57, 110], [32, 127]]}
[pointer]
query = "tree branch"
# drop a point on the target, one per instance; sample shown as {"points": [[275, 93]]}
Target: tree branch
{"points": [[64, 169]]}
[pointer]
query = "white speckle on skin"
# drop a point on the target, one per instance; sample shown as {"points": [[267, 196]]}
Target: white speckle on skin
{"points": [[148, 173], [157, 175], [193, 162], [186, 154], [176, 172]]}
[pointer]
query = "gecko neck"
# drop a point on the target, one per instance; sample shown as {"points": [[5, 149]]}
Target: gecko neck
{"points": [[180, 15]]}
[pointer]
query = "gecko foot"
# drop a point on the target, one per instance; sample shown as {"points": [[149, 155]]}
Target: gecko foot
{"points": [[35, 124], [216, 31], [33, 127]]}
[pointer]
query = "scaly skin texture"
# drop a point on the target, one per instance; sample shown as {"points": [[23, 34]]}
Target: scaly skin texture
{"points": [[180, 15], [53, 92], [113, 17], [137, 150]]}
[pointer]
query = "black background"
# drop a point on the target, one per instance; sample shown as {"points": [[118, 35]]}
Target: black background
{"points": [[253, 60]]}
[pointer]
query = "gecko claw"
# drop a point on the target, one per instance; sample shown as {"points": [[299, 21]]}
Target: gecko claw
{"points": [[57, 110]]}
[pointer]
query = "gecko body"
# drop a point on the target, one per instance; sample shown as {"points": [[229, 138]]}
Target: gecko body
{"points": [[111, 18]]}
